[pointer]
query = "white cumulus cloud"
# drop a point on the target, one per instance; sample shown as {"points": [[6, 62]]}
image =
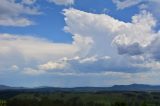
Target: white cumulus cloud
{"points": [[62, 2], [11, 13]]}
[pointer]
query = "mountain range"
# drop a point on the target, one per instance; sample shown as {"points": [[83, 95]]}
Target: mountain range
{"points": [[132, 87]]}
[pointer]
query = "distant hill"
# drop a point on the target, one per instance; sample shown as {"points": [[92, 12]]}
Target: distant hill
{"points": [[135, 87], [132, 87], [4, 87]]}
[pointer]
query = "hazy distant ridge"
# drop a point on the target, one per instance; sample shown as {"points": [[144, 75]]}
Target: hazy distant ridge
{"points": [[132, 87]]}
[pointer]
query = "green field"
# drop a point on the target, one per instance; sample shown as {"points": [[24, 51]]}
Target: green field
{"points": [[81, 99]]}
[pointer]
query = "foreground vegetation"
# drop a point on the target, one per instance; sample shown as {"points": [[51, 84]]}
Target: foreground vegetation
{"points": [[80, 99]]}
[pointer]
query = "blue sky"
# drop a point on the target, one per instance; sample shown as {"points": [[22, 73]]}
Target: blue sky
{"points": [[70, 43]]}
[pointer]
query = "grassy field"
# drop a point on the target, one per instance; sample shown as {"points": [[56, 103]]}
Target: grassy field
{"points": [[80, 99]]}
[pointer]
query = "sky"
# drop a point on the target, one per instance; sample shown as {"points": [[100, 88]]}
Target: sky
{"points": [[79, 43]]}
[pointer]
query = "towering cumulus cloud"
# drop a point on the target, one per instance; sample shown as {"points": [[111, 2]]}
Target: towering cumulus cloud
{"points": [[107, 32]]}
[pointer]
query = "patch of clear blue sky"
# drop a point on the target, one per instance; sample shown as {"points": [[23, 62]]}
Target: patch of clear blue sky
{"points": [[50, 24]]}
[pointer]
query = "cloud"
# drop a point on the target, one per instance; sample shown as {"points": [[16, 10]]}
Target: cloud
{"points": [[30, 71], [153, 65], [62, 2], [12, 13], [153, 48], [88, 65], [34, 48], [134, 49], [105, 78], [126, 3], [102, 46], [28, 2], [137, 36], [150, 5], [84, 44], [27, 51], [107, 32], [132, 39], [52, 66], [96, 40], [98, 27], [14, 67], [22, 22], [31, 53]]}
